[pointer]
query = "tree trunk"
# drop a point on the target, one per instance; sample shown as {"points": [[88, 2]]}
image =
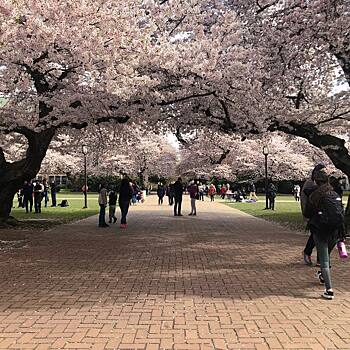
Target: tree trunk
{"points": [[13, 175]]}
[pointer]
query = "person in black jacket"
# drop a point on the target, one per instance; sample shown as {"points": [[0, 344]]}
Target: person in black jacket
{"points": [[112, 202], [28, 190], [325, 236], [125, 195], [178, 191]]}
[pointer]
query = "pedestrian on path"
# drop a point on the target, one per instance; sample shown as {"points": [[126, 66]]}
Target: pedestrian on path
{"points": [[160, 193], [193, 192], [178, 192], [112, 202], [308, 187], [125, 195], [326, 217], [212, 192], [102, 201]]}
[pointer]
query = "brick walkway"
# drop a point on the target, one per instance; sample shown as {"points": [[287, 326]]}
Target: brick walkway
{"points": [[221, 280]]}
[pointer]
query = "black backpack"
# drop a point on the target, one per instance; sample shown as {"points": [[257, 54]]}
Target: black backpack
{"points": [[331, 212]]}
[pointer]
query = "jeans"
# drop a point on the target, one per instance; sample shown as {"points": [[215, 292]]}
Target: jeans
{"points": [[324, 248], [37, 202], [201, 196], [111, 213], [177, 206], [53, 198], [46, 198], [271, 202], [124, 208], [101, 218], [28, 203], [193, 206]]}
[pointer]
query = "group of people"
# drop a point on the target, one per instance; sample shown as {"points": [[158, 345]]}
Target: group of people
{"points": [[321, 204], [129, 193], [34, 192]]}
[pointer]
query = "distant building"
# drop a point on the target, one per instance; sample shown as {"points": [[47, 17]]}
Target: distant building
{"points": [[59, 179]]}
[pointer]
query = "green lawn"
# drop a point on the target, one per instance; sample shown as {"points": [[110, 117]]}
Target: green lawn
{"points": [[287, 211], [55, 216]]}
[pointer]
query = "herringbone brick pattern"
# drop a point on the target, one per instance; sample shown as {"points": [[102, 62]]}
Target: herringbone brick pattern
{"points": [[221, 280]]}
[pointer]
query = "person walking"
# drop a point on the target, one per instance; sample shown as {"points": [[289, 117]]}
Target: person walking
{"points": [[170, 193], [53, 190], [271, 195], [201, 192], [160, 193], [308, 187], [112, 202], [102, 201], [28, 189], [252, 189], [223, 191], [212, 192], [193, 192], [178, 192], [296, 192], [38, 196], [326, 218], [125, 195]]}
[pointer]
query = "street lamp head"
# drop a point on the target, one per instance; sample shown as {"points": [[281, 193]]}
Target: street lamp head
{"points": [[265, 150], [84, 149]]}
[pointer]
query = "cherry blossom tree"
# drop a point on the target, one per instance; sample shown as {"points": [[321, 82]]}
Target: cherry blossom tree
{"points": [[67, 64], [215, 155]]}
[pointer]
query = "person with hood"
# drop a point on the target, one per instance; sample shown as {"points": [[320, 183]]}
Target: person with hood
{"points": [[308, 187], [125, 195], [160, 193], [178, 192], [326, 217]]}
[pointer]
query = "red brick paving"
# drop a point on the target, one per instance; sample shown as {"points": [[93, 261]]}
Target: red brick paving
{"points": [[221, 280]]}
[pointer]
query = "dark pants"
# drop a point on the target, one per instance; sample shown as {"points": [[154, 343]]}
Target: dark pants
{"points": [[160, 200], [177, 206], [271, 202], [310, 245], [171, 200], [28, 203], [37, 202], [53, 198], [124, 208], [102, 216], [212, 197], [46, 198], [201, 196]]}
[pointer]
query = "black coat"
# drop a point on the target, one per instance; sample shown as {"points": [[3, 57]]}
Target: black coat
{"points": [[178, 189]]}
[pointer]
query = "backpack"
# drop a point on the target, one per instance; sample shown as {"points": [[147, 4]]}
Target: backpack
{"points": [[64, 203], [331, 212]]}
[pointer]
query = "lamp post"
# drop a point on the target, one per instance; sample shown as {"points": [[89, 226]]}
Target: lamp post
{"points": [[85, 151], [266, 153]]}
